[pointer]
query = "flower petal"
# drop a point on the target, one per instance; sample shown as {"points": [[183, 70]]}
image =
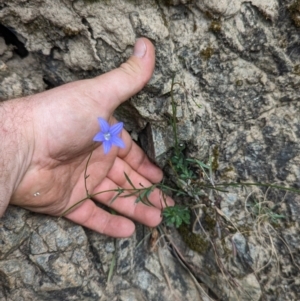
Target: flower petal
{"points": [[99, 137], [117, 141], [107, 146], [116, 128], [104, 126]]}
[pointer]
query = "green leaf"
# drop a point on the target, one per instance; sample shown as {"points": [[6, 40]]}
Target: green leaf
{"points": [[176, 215], [128, 180], [115, 197], [131, 194], [112, 266], [143, 197]]}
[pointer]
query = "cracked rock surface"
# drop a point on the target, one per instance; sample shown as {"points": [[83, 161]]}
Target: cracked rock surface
{"points": [[238, 65]]}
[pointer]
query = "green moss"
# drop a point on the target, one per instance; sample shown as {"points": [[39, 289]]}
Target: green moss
{"points": [[215, 161], [296, 69], [226, 173], [215, 26], [163, 15], [195, 27], [167, 2], [239, 82], [209, 15], [68, 31], [208, 221], [246, 230], [294, 10], [171, 2], [228, 169], [194, 242], [207, 53], [39, 24], [45, 28], [35, 25]]}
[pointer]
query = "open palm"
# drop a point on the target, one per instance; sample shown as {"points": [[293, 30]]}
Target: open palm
{"points": [[61, 129]]}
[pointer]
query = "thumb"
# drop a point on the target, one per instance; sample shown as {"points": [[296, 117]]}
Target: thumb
{"points": [[118, 85]]}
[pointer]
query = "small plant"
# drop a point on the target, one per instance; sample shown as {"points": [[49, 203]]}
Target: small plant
{"points": [[294, 10], [177, 215], [182, 166], [207, 53], [264, 211], [215, 26]]}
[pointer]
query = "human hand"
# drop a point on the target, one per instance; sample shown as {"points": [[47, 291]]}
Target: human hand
{"points": [[60, 131]]}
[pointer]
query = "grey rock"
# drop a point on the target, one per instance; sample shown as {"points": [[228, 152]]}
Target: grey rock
{"points": [[13, 231], [237, 68]]}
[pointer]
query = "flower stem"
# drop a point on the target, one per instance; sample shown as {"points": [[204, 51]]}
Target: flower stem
{"points": [[85, 174], [174, 113]]}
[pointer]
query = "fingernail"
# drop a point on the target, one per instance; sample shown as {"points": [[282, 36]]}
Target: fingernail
{"points": [[139, 48]]}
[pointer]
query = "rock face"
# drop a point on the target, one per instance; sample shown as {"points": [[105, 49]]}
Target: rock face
{"points": [[238, 68]]}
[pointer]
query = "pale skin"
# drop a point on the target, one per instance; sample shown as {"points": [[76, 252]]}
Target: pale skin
{"points": [[50, 136]]}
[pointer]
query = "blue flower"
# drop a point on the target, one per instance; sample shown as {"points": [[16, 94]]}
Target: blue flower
{"points": [[109, 135]]}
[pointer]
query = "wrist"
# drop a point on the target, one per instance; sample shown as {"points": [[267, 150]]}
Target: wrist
{"points": [[15, 136]]}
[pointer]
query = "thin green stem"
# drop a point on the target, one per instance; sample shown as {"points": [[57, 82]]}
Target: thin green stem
{"points": [[169, 188], [85, 175], [174, 113], [119, 190]]}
